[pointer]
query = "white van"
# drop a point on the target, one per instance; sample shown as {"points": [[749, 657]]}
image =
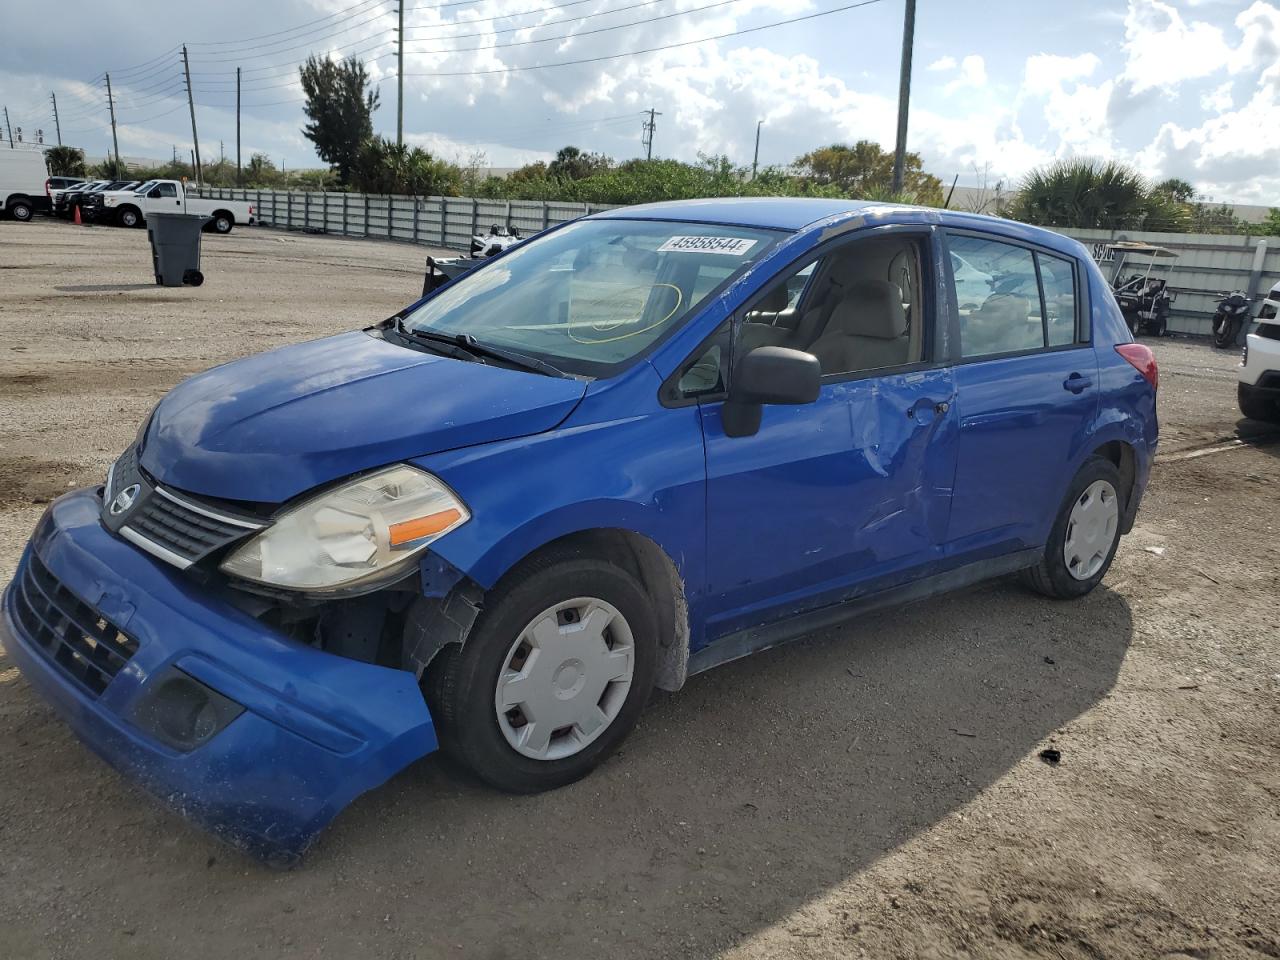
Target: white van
{"points": [[22, 176]]}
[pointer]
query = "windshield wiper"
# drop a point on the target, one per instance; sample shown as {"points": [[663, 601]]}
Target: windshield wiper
{"points": [[466, 346]]}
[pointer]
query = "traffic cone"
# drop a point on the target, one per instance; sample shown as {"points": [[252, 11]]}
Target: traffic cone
{"points": [[77, 219]]}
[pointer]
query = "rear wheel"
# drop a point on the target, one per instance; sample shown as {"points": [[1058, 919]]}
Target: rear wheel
{"points": [[1085, 534], [20, 210], [553, 676], [1256, 406], [222, 223]]}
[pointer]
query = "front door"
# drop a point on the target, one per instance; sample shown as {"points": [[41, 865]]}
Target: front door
{"points": [[829, 498]]}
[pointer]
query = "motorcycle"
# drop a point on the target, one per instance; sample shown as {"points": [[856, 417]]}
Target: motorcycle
{"points": [[1232, 314]]}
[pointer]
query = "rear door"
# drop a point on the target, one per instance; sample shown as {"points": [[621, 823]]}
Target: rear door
{"points": [[1027, 386], [831, 496]]}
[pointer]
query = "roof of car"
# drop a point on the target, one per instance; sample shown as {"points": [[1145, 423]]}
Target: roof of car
{"points": [[797, 213], [779, 213]]}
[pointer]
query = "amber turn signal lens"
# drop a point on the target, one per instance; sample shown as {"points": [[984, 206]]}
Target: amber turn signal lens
{"points": [[410, 530]]}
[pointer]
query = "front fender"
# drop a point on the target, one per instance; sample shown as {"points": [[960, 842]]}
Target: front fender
{"points": [[644, 473]]}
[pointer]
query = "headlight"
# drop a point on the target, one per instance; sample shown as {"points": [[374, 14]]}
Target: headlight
{"points": [[363, 531], [110, 201]]}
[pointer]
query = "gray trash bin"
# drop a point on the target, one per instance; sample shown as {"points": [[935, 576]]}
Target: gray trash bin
{"points": [[175, 247]]}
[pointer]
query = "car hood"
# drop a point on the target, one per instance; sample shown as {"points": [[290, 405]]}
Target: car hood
{"points": [[274, 425]]}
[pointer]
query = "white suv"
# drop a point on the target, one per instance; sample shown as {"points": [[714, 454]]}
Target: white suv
{"points": [[1259, 389]]}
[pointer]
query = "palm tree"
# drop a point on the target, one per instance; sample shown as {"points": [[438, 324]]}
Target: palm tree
{"points": [[1085, 192]]}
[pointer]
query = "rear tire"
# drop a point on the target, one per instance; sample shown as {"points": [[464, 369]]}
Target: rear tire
{"points": [[1086, 517], [222, 223], [467, 686], [21, 210], [1256, 407]]}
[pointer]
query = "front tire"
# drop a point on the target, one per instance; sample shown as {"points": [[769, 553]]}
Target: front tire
{"points": [[553, 676], [1225, 331], [1085, 534], [129, 217], [1255, 406]]}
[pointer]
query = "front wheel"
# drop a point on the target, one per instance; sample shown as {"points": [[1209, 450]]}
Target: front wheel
{"points": [[129, 217], [1225, 330], [1085, 534], [553, 676]]}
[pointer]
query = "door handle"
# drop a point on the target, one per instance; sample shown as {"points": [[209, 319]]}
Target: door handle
{"points": [[1077, 383], [941, 407], [918, 408]]}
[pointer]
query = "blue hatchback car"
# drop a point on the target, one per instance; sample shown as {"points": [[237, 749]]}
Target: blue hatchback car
{"points": [[634, 447]]}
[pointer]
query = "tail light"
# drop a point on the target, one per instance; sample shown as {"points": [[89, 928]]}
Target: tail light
{"points": [[46, 188], [251, 209], [1143, 360]]}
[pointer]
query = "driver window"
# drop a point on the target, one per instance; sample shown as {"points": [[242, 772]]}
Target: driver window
{"points": [[165, 190]]}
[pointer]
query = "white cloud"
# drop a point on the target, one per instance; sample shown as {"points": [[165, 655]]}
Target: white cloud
{"points": [[1163, 50], [943, 63], [1046, 72], [973, 74], [1217, 100]]}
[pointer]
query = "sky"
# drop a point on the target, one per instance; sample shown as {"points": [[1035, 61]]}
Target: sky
{"points": [[1179, 88]]}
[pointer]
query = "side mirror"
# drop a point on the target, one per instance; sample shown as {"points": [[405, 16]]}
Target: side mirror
{"points": [[768, 375]]}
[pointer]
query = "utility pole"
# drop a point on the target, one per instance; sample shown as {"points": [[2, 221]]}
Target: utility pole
{"points": [[238, 175], [191, 103], [56, 124], [647, 140], [904, 94], [7, 127], [755, 161], [111, 105], [400, 76]]}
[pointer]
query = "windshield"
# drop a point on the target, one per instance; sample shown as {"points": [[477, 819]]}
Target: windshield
{"points": [[146, 186], [593, 295]]}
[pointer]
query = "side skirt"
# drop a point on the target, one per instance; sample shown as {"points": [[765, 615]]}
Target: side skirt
{"points": [[735, 646]]}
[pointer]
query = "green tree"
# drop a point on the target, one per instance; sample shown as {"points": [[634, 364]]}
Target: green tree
{"points": [[1178, 189], [1086, 192], [573, 164], [340, 107], [65, 161], [1270, 227], [387, 167], [866, 170]]}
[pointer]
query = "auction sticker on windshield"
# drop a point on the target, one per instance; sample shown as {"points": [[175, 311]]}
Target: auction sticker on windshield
{"points": [[730, 246]]}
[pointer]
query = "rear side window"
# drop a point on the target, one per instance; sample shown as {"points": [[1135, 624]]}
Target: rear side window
{"points": [[1058, 279], [1000, 310], [1011, 299]]}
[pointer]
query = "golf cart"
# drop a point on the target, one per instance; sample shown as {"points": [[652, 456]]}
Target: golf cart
{"points": [[1140, 283]]}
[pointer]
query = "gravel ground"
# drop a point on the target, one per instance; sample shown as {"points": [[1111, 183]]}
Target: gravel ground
{"points": [[875, 791]]}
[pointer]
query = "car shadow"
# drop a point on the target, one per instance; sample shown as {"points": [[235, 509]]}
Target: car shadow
{"points": [[103, 287], [756, 788]]}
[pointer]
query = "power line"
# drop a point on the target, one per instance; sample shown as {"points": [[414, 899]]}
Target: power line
{"points": [[262, 36], [636, 53], [298, 46]]}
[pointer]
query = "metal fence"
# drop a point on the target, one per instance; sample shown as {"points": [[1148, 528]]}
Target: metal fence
{"points": [[1207, 264], [448, 222]]}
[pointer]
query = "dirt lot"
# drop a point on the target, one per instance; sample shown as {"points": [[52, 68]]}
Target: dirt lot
{"points": [[873, 792]]}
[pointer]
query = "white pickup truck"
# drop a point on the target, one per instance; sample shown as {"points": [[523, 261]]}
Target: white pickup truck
{"points": [[130, 208]]}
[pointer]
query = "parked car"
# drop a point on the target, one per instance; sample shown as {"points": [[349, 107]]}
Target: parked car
{"points": [[1258, 390], [131, 208], [91, 207], [54, 187], [66, 203], [22, 176], [634, 447]]}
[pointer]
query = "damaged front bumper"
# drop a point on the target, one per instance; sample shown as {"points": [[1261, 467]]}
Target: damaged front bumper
{"points": [[258, 738]]}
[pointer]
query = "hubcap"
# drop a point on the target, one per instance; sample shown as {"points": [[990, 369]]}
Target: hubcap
{"points": [[1091, 530], [565, 678]]}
